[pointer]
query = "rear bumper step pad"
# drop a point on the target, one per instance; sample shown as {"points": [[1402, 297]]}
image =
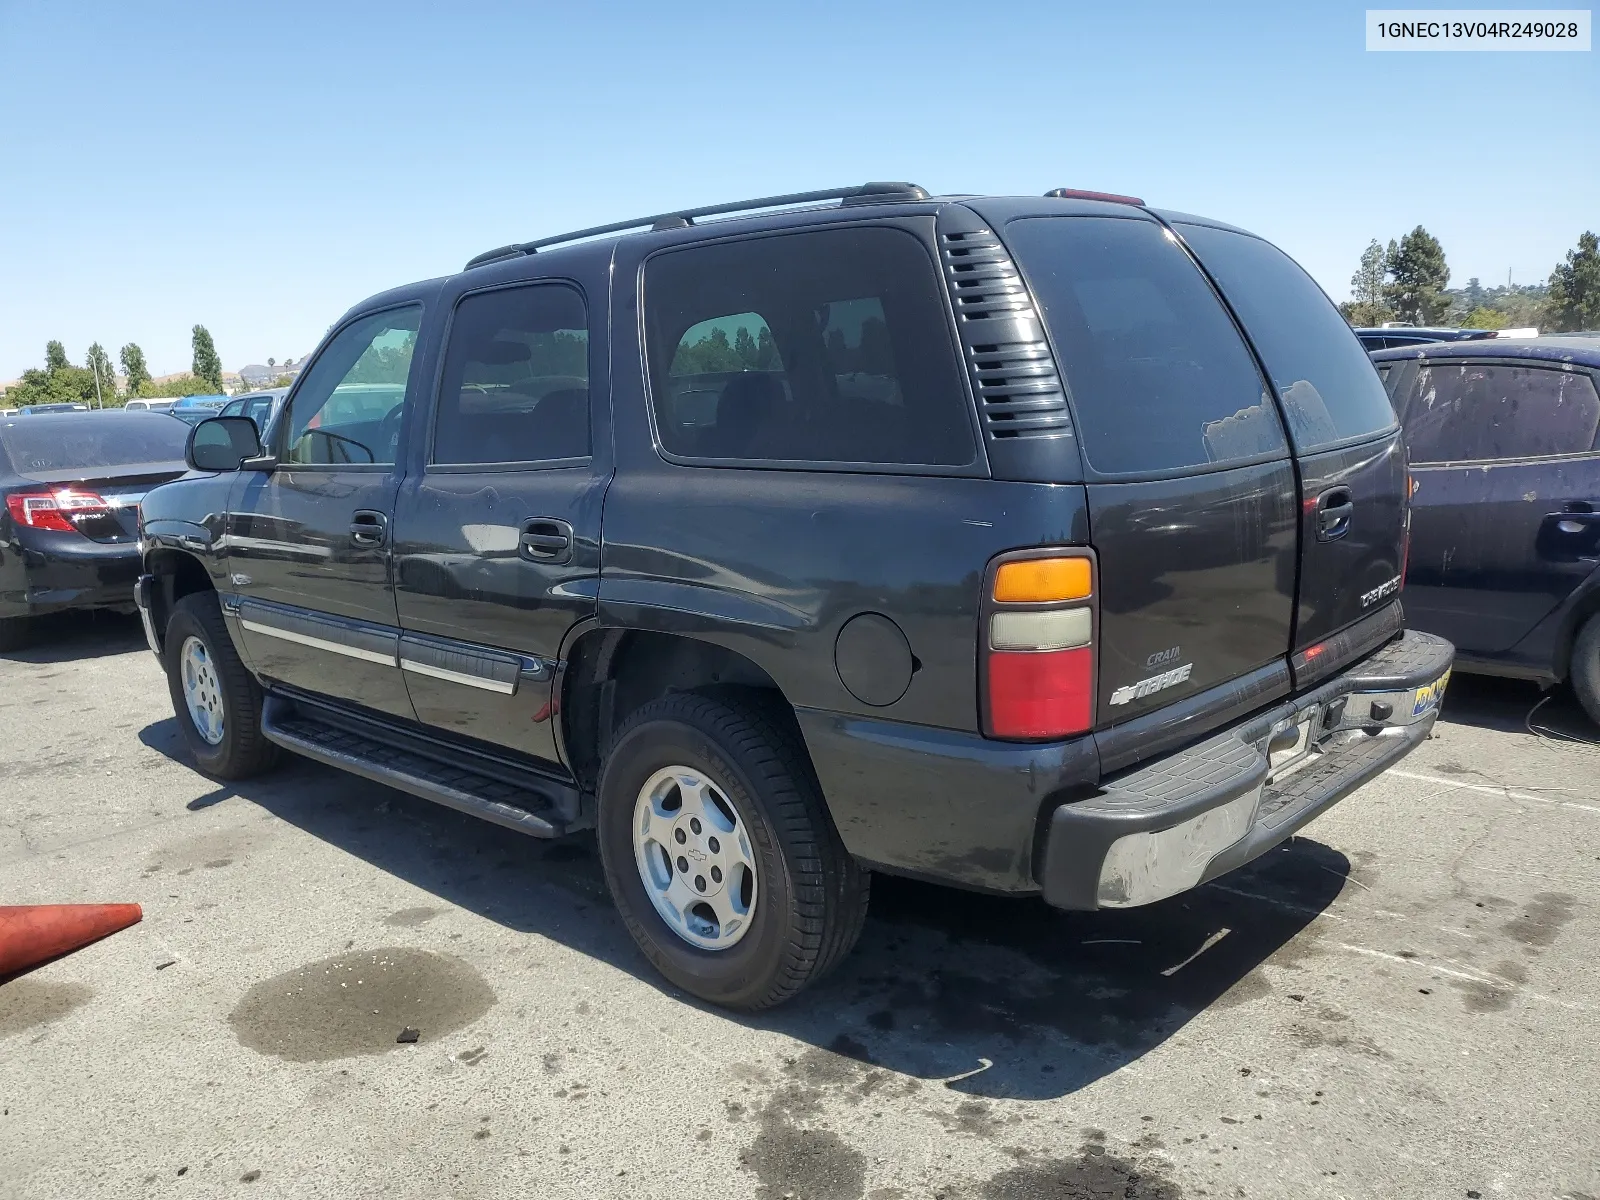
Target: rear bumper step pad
{"points": [[1195, 814]]}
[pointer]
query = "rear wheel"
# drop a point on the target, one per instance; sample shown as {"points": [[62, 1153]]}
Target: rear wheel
{"points": [[216, 700], [1586, 668], [15, 632], [720, 853]]}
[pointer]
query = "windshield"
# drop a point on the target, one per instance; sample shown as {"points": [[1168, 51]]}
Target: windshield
{"points": [[62, 443]]}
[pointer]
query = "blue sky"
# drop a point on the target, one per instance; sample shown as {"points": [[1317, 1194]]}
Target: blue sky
{"points": [[259, 167]]}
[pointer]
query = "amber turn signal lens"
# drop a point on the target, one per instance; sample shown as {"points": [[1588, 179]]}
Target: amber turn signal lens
{"points": [[1043, 580]]}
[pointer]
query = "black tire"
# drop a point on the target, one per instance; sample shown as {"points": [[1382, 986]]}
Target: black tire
{"points": [[243, 751], [1586, 668], [15, 632], [812, 896]]}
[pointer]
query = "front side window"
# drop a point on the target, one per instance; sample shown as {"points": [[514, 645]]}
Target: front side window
{"points": [[348, 408], [1478, 412], [1329, 390], [515, 387], [1159, 377], [825, 346]]}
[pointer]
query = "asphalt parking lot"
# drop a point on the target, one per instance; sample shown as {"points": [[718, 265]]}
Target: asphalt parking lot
{"points": [[1402, 1002]]}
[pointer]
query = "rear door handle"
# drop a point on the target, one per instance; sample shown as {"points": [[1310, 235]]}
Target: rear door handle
{"points": [[369, 528], [1335, 507], [546, 540]]}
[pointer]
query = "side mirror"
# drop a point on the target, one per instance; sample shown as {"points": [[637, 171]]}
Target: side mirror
{"points": [[222, 444]]}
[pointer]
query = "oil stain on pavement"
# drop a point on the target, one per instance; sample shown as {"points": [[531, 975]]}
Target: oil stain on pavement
{"points": [[357, 1004], [1093, 1172], [27, 1003]]}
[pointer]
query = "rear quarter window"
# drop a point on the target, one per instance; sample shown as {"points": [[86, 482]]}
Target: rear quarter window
{"points": [[1327, 384], [827, 346], [1159, 377]]}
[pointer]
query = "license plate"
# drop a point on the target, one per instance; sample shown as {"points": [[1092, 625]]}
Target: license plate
{"points": [[1428, 697]]}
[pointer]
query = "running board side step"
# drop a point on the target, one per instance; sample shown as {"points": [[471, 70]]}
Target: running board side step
{"points": [[525, 809]]}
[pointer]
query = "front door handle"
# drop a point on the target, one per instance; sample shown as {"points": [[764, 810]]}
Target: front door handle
{"points": [[1335, 507], [546, 540], [368, 528]]}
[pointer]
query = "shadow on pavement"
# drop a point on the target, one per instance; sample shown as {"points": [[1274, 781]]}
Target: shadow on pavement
{"points": [[943, 981], [1509, 705], [75, 636]]}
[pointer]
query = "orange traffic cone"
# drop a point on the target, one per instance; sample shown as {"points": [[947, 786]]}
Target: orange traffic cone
{"points": [[31, 934]]}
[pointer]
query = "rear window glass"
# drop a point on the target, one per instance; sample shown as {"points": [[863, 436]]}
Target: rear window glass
{"points": [[831, 346], [1473, 412], [1159, 377], [1330, 391], [91, 439]]}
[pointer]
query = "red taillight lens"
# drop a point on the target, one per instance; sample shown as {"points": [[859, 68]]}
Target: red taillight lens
{"points": [[1041, 695], [1038, 651], [55, 510]]}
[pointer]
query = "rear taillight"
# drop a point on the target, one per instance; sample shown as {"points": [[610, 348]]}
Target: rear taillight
{"points": [[1038, 645], [55, 510]]}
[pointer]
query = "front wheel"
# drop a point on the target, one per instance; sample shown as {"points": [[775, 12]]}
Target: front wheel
{"points": [[1586, 668], [721, 856], [216, 700]]}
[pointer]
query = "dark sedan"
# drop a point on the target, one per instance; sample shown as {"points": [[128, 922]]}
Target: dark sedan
{"points": [[1504, 441], [1392, 336], [70, 486]]}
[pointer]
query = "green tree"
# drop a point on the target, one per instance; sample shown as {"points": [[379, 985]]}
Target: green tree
{"points": [[1418, 275], [65, 385], [1484, 318], [206, 364], [179, 385], [1366, 305], [744, 347], [272, 362], [1574, 297], [55, 356], [99, 364], [133, 366]]}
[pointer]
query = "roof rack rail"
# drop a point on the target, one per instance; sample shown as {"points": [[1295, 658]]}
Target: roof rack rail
{"points": [[866, 193]]}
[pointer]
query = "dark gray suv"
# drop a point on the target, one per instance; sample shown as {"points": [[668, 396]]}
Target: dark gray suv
{"points": [[1044, 545]]}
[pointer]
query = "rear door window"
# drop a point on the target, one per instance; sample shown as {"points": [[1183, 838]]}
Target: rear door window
{"points": [[830, 346], [1480, 412], [1159, 377], [515, 387], [1329, 390]]}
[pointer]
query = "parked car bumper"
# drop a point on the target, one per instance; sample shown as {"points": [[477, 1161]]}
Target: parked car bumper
{"points": [[1191, 816], [53, 572]]}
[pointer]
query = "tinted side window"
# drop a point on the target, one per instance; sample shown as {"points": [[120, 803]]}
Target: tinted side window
{"points": [[1471, 412], [349, 404], [515, 386], [827, 346], [1159, 377], [1323, 375]]}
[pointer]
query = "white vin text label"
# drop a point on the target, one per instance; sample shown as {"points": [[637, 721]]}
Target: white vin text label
{"points": [[1478, 28]]}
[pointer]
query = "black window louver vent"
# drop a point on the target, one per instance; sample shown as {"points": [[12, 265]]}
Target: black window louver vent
{"points": [[1012, 371]]}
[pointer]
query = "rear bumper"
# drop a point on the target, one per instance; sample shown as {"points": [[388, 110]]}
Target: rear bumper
{"points": [[51, 573], [1200, 812]]}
